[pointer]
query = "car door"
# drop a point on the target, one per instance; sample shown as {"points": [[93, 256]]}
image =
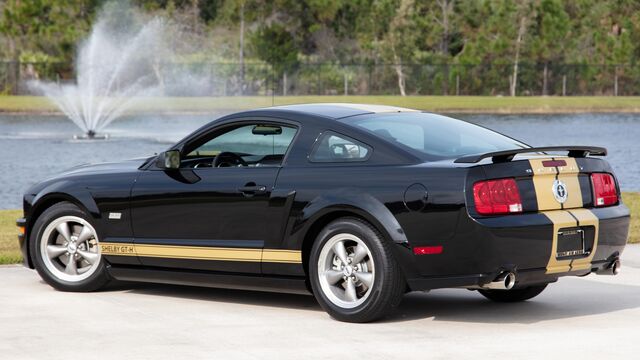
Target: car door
{"points": [[212, 215]]}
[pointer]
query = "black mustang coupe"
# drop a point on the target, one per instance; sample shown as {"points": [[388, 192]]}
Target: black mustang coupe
{"points": [[355, 204]]}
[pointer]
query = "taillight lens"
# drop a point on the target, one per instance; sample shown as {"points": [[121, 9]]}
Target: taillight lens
{"points": [[494, 197], [604, 189]]}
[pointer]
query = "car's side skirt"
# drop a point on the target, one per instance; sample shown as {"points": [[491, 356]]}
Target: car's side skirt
{"points": [[290, 285]]}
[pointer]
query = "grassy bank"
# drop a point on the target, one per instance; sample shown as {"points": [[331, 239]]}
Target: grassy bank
{"points": [[632, 200], [9, 251], [10, 254], [449, 104]]}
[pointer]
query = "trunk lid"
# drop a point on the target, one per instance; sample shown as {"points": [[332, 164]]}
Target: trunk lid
{"points": [[545, 182]]}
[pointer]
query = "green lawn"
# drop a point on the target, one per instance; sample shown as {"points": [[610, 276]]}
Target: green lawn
{"points": [[9, 251], [10, 254], [632, 200], [451, 104]]}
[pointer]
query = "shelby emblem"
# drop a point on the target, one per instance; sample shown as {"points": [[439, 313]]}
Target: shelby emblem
{"points": [[560, 191]]}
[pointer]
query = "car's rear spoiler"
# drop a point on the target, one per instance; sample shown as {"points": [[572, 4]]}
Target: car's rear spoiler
{"points": [[508, 155]]}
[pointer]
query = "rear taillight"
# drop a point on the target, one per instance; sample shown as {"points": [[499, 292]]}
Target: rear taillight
{"points": [[604, 189], [494, 197]]}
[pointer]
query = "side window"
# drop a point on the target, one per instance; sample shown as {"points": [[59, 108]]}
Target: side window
{"points": [[250, 145], [332, 147]]}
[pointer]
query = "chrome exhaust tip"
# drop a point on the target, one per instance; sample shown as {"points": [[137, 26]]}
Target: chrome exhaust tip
{"points": [[504, 281], [613, 269]]}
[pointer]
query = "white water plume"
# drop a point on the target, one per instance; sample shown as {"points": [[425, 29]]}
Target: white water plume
{"points": [[115, 66]]}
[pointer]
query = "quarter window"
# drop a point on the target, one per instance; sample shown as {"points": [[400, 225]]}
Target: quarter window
{"points": [[332, 147]]}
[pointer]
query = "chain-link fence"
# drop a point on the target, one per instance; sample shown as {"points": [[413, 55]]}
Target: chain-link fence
{"points": [[220, 79]]}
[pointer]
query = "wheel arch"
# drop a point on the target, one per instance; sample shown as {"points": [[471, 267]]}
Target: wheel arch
{"points": [[44, 202], [320, 212]]}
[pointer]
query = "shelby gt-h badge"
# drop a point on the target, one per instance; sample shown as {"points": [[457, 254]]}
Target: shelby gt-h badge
{"points": [[355, 204]]}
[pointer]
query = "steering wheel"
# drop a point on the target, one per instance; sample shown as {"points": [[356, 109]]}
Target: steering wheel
{"points": [[228, 159]]}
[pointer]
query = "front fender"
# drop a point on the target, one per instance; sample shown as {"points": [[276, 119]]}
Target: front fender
{"points": [[66, 191], [51, 194]]}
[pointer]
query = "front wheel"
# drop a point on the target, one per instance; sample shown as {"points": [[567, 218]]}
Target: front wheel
{"points": [[353, 273], [66, 249], [513, 295]]}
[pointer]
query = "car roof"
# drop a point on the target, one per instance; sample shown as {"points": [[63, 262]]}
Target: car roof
{"points": [[339, 110]]}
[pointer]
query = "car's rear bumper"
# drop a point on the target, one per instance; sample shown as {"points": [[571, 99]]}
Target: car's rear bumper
{"points": [[483, 248]]}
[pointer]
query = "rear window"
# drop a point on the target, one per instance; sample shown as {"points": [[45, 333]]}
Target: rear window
{"points": [[434, 136]]}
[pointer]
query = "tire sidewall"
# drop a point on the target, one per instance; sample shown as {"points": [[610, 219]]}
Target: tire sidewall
{"points": [[93, 282], [373, 241]]}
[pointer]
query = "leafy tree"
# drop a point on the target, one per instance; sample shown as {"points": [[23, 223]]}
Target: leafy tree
{"points": [[275, 45]]}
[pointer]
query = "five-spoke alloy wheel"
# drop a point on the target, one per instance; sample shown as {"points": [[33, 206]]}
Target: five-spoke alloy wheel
{"points": [[347, 270], [353, 272], [66, 250], [70, 248]]}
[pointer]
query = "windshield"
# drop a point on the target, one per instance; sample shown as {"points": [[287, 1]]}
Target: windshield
{"points": [[434, 136]]}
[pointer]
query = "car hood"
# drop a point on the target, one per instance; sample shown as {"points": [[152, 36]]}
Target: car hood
{"points": [[108, 167], [81, 174]]}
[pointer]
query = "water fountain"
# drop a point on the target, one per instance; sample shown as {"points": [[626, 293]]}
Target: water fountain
{"points": [[117, 65]]}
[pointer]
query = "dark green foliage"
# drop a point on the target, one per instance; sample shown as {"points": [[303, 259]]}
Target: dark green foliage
{"points": [[475, 39], [276, 46]]}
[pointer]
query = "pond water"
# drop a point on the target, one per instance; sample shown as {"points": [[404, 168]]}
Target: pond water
{"points": [[35, 147]]}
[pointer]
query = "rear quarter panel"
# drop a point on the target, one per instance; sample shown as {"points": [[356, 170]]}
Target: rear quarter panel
{"points": [[377, 193]]}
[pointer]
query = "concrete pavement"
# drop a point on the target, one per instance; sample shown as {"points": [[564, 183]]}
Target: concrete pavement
{"points": [[591, 317]]}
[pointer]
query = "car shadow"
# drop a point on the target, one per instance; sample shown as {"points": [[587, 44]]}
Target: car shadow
{"points": [[567, 299], [245, 297]]}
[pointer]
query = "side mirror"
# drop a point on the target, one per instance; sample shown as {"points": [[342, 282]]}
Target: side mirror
{"points": [[168, 160]]}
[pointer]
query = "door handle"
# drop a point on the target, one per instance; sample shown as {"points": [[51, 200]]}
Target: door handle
{"points": [[252, 189]]}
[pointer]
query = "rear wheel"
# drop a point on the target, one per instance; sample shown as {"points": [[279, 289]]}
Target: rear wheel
{"points": [[353, 273], [66, 250], [513, 295]]}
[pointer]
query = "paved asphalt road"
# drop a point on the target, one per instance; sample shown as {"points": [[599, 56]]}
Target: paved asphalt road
{"points": [[592, 317]]}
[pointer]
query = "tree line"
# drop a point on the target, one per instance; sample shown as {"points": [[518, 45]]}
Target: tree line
{"points": [[504, 41]]}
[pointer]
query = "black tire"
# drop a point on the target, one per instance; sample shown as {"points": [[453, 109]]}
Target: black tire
{"points": [[98, 279], [388, 286], [513, 295]]}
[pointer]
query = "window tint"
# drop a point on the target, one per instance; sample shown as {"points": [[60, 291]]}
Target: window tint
{"points": [[256, 140], [435, 136], [332, 147]]}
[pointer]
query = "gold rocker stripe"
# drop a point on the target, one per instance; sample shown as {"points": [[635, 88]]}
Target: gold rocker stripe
{"points": [[202, 253]]}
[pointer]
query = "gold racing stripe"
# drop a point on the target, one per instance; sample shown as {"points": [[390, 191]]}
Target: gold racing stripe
{"points": [[569, 175], [202, 253], [560, 219], [586, 218], [564, 219], [544, 177]]}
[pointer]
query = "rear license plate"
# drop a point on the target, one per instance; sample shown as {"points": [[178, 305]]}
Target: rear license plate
{"points": [[571, 243]]}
